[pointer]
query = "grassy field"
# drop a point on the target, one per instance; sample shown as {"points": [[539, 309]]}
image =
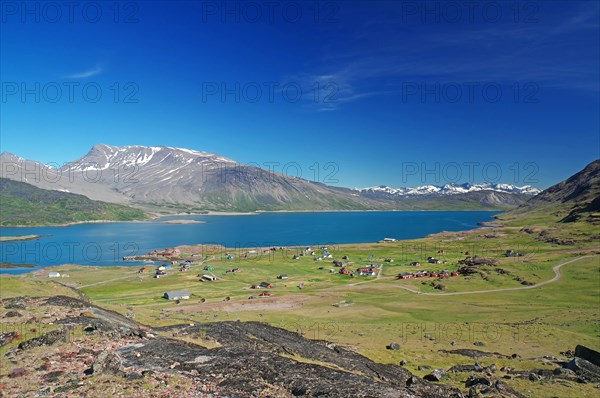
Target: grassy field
{"points": [[367, 313]]}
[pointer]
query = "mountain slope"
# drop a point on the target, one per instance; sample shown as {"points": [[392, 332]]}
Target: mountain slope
{"points": [[177, 179], [450, 189], [574, 199], [24, 204]]}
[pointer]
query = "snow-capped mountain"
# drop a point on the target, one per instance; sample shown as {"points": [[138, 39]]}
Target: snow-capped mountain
{"points": [[162, 177], [451, 189]]}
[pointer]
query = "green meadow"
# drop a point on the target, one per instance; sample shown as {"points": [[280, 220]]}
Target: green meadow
{"points": [[367, 313]]}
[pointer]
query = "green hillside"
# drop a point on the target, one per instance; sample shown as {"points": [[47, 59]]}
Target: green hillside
{"points": [[24, 204]]}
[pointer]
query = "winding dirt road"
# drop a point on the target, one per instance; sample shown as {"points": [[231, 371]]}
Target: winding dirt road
{"points": [[557, 276]]}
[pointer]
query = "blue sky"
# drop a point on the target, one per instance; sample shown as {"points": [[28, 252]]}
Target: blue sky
{"points": [[409, 93]]}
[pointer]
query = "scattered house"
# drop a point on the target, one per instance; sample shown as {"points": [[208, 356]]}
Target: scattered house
{"points": [[366, 271], [177, 295], [296, 257], [160, 268], [419, 274], [389, 239], [265, 285], [454, 273], [208, 268], [54, 275], [159, 274], [332, 271], [432, 260], [405, 276], [233, 270], [143, 270], [319, 259], [337, 263], [389, 260], [254, 287], [168, 266], [344, 271], [265, 294], [229, 257], [512, 253], [345, 258], [209, 278], [415, 264], [282, 276], [251, 251]]}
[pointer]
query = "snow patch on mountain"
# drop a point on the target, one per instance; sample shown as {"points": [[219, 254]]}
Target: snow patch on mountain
{"points": [[451, 189]]}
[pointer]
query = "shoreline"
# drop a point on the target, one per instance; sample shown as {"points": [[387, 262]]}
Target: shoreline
{"points": [[154, 217], [474, 230]]}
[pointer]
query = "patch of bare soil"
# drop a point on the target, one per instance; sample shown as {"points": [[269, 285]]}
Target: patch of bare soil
{"points": [[257, 304]]}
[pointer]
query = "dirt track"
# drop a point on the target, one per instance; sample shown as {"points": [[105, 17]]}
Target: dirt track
{"points": [[557, 276]]}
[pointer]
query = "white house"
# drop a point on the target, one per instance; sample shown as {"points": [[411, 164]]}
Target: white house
{"points": [[54, 275], [177, 295]]}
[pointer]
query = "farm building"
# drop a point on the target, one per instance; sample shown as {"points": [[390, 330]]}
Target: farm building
{"points": [[368, 271], [177, 295], [54, 275]]}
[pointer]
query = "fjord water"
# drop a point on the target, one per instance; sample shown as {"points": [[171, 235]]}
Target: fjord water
{"points": [[107, 243]]}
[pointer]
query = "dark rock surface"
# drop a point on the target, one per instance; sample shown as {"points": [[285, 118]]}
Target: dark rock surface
{"points": [[45, 339], [253, 355]]}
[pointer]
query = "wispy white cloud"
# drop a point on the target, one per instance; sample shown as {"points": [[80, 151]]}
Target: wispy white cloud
{"points": [[549, 53], [85, 74]]}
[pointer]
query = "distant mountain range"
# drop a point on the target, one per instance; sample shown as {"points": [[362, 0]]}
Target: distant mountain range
{"points": [[450, 189], [161, 178]]}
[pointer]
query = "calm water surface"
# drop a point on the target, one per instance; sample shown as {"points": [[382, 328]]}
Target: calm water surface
{"points": [[107, 243]]}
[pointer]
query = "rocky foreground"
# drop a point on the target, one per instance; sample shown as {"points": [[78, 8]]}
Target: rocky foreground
{"points": [[67, 347]]}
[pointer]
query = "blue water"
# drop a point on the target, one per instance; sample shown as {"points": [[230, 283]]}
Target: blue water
{"points": [[107, 243]]}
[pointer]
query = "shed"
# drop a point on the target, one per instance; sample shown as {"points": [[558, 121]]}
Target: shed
{"points": [[177, 295]]}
